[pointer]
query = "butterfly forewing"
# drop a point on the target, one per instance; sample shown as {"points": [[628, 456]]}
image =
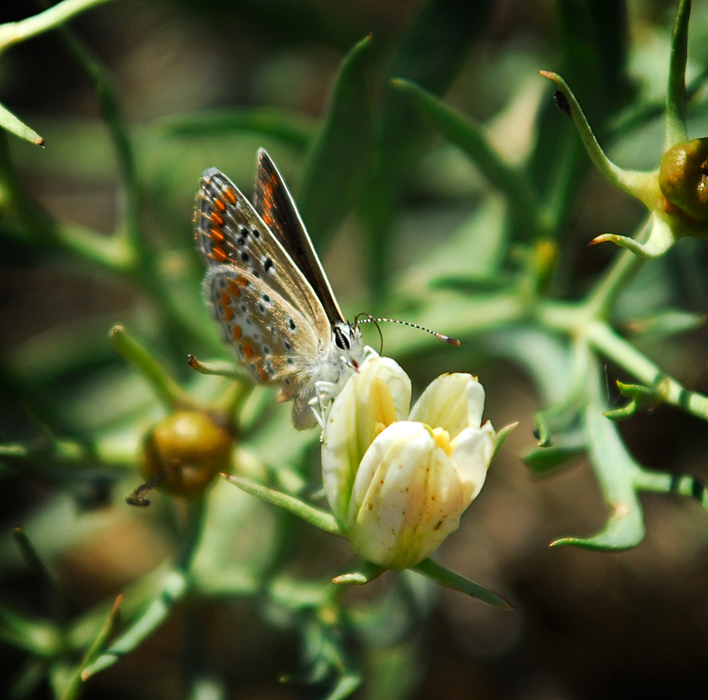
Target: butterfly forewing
{"points": [[276, 207]]}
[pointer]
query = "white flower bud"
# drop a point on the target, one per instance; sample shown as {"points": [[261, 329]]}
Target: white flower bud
{"points": [[400, 486]]}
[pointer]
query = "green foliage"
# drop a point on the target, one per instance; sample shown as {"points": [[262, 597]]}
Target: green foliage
{"points": [[393, 163]]}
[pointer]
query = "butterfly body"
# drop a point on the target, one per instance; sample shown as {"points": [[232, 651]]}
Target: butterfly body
{"points": [[269, 293]]}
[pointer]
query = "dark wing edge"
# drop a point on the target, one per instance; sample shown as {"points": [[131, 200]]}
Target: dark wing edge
{"points": [[275, 205]]}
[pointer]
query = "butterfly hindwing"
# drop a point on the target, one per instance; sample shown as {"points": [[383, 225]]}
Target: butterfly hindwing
{"points": [[253, 317]]}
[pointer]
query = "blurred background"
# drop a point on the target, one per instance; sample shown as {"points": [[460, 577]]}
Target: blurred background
{"points": [[207, 83]]}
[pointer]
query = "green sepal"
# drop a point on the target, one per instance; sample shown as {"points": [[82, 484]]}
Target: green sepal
{"points": [[315, 516], [501, 437], [449, 579], [640, 397], [542, 461]]}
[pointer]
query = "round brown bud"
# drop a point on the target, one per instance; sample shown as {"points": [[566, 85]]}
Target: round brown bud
{"points": [[183, 453], [683, 178]]}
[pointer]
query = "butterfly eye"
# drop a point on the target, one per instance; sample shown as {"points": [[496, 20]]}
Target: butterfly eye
{"points": [[341, 340]]}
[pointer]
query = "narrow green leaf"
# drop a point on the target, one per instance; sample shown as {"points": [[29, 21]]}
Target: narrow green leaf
{"points": [[342, 153], [165, 387], [616, 472], [319, 518], [53, 17], [345, 686], [543, 461], [501, 437], [430, 51], [130, 227], [471, 138], [75, 685], [447, 578], [173, 588], [10, 122], [294, 128], [640, 397], [666, 322]]}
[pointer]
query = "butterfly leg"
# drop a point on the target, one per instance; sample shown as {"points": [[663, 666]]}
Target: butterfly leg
{"points": [[324, 393]]}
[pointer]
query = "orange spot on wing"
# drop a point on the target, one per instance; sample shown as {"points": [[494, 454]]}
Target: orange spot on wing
{"points": [[219, 254], [261, 372], [216, 234], [230, 195], [236, 332], [234, 289], [241, 281], [228, 311], [216, 218], [219, 204], [248, 351]]}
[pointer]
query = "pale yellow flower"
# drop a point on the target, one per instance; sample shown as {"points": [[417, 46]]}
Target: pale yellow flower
{"points": [[399, 482]]}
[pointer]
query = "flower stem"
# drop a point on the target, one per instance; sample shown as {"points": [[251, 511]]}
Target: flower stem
{"points": [[676, 91], [606, 341], [634, 183], [603, 297], [14, 32]]}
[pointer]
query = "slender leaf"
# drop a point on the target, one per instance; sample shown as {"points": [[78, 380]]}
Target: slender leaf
{"points": [[341, 155], [10, 122], [293, 128], [470, 136], [429, 51]]}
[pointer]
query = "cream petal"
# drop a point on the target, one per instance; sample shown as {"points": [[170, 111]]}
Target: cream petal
{"points": [[475, 404], [471, 454], [407, 498], [350, 429], [444, 403]]}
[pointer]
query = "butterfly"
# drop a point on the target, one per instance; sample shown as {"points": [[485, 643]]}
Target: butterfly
{"points": [[268, 291]]}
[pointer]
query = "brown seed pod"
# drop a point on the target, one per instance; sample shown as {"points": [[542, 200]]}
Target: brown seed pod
{"points": [[683, 178], [182, 454]]}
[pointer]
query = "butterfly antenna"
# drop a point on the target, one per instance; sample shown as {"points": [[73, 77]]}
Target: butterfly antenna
{"points": [[440, 336], [368, 318]]}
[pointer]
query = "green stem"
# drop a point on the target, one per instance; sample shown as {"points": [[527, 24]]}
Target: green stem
{"points": [[605, 340], [634, 183], [166, 389], [175, 585], [676, 91], [64, 453], [14, 32], [603, 297]]}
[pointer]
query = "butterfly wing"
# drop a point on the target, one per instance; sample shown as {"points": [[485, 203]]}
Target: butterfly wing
{"points": [[253, 316], [277, 208], [230, 232]]}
